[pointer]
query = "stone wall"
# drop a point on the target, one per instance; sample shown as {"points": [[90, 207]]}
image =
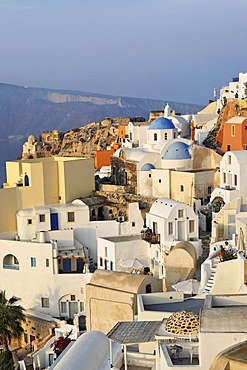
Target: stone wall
{"points": [[124, 173]]}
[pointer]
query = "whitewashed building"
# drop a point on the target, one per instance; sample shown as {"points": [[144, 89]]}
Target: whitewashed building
{"points": [[233, 177], [173, 221], [235, 89]]}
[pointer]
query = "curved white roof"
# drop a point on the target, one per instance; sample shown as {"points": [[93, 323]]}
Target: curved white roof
{"points": [[26, 212], [132, 154], [78, 202], [163, 206], [241, 155], [178, 119], [209, 125], [88, 352]]}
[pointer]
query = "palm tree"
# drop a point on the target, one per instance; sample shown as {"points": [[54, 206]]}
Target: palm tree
{"points": [[11, 317]]}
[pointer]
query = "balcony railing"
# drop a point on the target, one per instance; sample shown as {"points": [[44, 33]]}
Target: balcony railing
{"points": [[11, 267], [150, 237]]}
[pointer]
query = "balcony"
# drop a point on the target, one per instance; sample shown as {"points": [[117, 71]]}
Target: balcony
{"points": [[11, 267], [150, 237]]}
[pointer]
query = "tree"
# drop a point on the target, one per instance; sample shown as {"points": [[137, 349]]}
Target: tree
{"points": [[11, 317]]}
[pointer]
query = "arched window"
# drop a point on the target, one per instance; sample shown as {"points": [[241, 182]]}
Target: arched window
{"points": [[26, 180], [155, 137], [165, 135], [10, 262]]}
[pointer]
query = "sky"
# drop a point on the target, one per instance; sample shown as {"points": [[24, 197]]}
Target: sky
{"points": [[176, 50]]}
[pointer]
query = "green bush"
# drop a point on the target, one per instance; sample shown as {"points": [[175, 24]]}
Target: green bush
{"points": [[6, 361]]}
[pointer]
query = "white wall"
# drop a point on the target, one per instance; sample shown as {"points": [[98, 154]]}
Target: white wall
{"points": [[33, 283], [121, 250]]}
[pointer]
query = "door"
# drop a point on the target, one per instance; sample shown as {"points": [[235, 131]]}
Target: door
{"points": [[67, 265], [231, 231], [73, 309], [155, 228], [80, 265], [229, 179], [54, 221], [181, 230], [51, 358]]}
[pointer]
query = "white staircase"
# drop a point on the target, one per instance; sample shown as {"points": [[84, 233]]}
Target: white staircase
{"points": [[210, 281]]}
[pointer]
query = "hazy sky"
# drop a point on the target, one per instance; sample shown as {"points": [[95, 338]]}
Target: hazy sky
{"points": [[166, 49]]}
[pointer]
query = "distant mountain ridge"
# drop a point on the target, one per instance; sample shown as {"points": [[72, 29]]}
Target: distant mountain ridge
{"points": [[30, 110]]}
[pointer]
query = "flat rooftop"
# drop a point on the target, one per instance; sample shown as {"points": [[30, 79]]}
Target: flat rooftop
{"points": [[189, 304], [122, 238]]}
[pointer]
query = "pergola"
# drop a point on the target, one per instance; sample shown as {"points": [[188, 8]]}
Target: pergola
{"points": [[128, 333]]}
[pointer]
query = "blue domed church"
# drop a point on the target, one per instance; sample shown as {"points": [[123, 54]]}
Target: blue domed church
{"points": [[160, 130]]}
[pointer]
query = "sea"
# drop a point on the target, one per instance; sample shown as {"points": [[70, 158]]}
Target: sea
{"points": [[10, 150]]}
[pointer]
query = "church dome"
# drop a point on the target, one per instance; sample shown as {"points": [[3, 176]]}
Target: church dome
{"points": [[177, 150], [147, 167], [161, 123]]}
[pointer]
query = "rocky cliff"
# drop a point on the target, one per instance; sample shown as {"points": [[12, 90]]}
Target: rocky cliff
{"points": [[29, 110], [235, 107]]}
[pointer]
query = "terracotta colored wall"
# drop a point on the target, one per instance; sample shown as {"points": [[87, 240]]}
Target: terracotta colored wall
{"points": [[121, 132], [236, 142], [103, 158]]}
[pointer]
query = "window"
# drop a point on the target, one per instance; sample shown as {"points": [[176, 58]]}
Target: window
{"points": [[157, 254], [233, 130], [148, 288], [155, 137], [170, 228], [106, 252], [130, 136], [10, 262], [235, 180], [47, 262], [159, 181], [224, 177], [72, 297], [180, 213], [229, 159], [166, 136], [111, 266], [245, 128], [29, 221], [82, 306], [231, 219], [149, 175], [133, 224], [101, 261], [71, 216], [64, 307], [181, 188], [45, 302], [191, 226], [33, 262], [41, 218], [209, 189]]}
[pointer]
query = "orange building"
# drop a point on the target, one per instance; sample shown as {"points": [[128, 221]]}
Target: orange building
{"points": [[102, 158], [121, 132], [235, 134]]}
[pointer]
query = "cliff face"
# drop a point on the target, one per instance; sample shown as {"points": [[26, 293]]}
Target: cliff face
{"points": [[77, 142], [29, 110], [233, 108], [87, 139]]}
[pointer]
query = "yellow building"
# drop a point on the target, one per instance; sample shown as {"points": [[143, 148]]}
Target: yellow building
{"points": [[42, 181]]}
